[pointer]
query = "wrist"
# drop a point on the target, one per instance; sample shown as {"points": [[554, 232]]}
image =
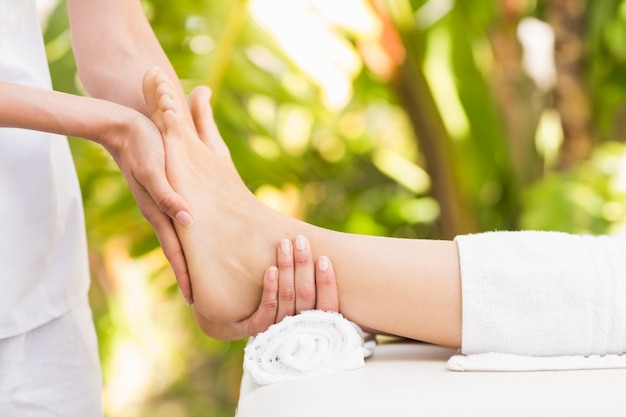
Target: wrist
{"points": [[119, 124]]}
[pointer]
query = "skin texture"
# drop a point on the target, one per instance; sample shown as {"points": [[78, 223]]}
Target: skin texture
{"points": [[129, 136], [111, 124], [297, 283], [405, 287], [114, 45]]}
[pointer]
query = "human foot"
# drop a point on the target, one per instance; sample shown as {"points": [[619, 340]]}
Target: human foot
{"points": [[232, 238], [202, 116]]}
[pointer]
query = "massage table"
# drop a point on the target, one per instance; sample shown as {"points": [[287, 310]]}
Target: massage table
{"points": [[406, 378]]}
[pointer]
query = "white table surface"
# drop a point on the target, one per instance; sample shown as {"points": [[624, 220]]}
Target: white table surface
{"points": [[411, 379]]}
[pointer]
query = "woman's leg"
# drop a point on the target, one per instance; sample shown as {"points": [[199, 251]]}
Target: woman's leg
{"points": [[407, 287]]}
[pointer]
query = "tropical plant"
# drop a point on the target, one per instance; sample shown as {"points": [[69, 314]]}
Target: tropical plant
{"points": [[409, 118]]}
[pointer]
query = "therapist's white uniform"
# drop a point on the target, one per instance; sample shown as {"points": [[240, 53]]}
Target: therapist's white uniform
{"points": [[48, 352]]}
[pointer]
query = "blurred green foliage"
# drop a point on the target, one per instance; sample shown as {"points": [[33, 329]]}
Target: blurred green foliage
{"points": [[363, 166]]}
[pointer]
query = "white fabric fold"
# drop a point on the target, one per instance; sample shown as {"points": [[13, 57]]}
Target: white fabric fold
{"points": [[501, 362], [311, 343], [542, 301]]}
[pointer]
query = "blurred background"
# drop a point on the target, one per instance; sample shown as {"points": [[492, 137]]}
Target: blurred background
{"points": [[408, 118]]}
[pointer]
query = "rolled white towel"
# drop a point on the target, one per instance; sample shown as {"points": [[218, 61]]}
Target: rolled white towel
{"points": [[311, 343]]}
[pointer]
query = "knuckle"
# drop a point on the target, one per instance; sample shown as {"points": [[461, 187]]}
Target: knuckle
{"points": [[306, 292], [323, 279], [141, 171], [270, 305], [287, 295], [172, 253], [166, 201], [285, 263], [303, 260]]}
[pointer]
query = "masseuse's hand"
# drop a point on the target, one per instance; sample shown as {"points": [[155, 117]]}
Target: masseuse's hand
{"points": [[296, 284], [137, 147]]}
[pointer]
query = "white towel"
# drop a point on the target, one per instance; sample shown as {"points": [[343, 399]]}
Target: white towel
{"points": [[515, 363], [311, 343], [542, 300]]}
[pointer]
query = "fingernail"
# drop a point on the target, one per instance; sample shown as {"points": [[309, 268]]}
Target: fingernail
{"points": [[184, 218], [188, 301], [285, 246], [322, 263], [272, 273], [300, 242]]}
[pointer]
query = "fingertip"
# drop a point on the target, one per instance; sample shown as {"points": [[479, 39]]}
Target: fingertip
{"points": [[184, 218], [327, 291], [323, 263], [184, 285], [302, 255], [285, 246], [188, 300], [271, 274], [301, 242], [284, 257], [266, 313], [173, 252], [270, 286], [172, 204]]}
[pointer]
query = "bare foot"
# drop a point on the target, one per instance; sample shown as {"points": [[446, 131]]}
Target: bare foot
{"points": [[232, 238], [202, 116]]}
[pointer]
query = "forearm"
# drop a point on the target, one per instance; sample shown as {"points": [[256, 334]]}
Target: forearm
{"points": [[130, 137], [50, 111], [114, 46]]}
